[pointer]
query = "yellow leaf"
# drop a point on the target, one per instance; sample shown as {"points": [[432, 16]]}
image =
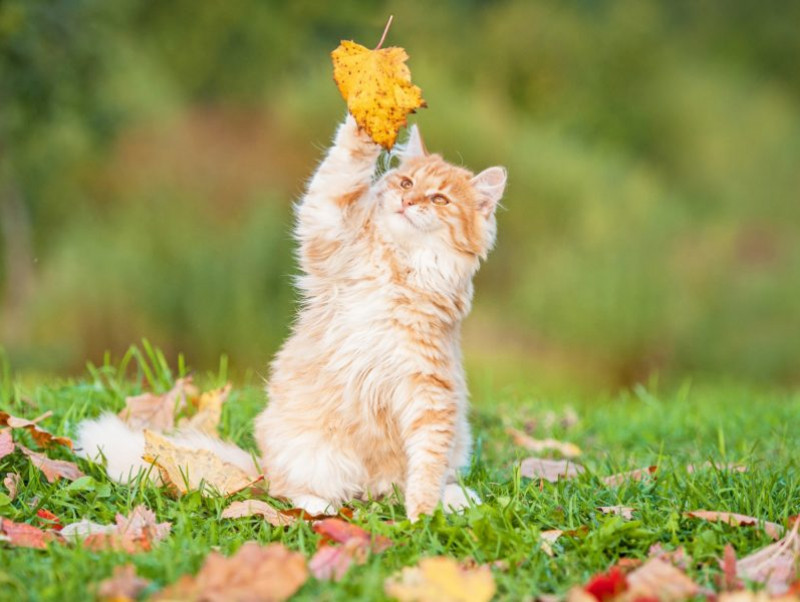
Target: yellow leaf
{"points": [[441, 579], [209, 411], [377, 87], [187, 469]]}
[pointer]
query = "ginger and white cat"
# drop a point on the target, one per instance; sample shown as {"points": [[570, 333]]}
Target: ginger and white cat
{"points": [[369, 391]]}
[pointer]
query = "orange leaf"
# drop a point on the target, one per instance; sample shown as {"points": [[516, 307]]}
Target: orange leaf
{"points": [[255, 573], [53, 469], [132, 534], [6, 444], [41, 436], [332, 562], [209, 411], [258, 508], [23, 535], [377, 87], [774, 530]]}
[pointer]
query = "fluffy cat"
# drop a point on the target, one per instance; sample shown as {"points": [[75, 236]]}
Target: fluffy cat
{"points": [[369, 391]]}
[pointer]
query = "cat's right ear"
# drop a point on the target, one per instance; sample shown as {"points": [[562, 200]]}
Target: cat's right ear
{"points": [[414, 146]]}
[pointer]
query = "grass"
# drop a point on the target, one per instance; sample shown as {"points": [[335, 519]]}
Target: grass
{"points": [[691, 425]]}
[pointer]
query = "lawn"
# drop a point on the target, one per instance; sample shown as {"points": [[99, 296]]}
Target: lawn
{"points": [[671, 429]]}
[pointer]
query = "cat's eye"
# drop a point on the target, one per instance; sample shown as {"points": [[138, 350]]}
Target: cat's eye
{"points": [[439, 199], [406, 183]]}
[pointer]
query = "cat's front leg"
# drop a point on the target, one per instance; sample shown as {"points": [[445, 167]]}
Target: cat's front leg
{"points": [[429, 432]]}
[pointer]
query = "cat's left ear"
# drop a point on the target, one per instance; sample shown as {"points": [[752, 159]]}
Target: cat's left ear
{"points": [[490, 184], [414, 146]]}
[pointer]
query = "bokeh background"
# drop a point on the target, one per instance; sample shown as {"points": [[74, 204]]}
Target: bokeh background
{"points": [[150, 152]]}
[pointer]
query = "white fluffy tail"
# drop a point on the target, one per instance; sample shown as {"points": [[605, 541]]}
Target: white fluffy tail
{"points": [[122, 447]]}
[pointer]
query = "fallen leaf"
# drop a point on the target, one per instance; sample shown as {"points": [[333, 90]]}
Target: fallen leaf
{"points": [[568, 450], [549, 470], [51, 520], [332, 562], [209, 411], [615, 480], [623, 511], [441, 579], [53, 469], [23, 535], [42, 437], [157, 411], [691, 468], [11, 482], [606, 586], [774, 566], [774, 530], [335, 529], [377, 87], [123, 586], [6, 444], [84, 528], [659, 580], [257, 507], [254, 574], [547, 539], [135, 533], [677, 557], [728, 564], [185, 469]]}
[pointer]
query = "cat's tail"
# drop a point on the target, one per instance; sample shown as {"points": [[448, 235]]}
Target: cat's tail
{"points": [[122, 447]]}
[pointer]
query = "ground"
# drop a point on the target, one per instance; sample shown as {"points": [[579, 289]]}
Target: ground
{"points": [[671, 429]]}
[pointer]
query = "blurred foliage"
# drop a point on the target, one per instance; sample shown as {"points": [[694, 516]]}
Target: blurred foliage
{"points": [[150, 152]]}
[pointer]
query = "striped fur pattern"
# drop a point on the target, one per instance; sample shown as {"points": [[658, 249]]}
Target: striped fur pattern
{"points": [[369, 392]]}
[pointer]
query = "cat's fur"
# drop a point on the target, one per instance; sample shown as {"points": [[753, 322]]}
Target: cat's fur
{"points": [[368, 392]]}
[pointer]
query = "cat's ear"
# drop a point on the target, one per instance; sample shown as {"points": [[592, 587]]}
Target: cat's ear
{"points": [[490, 184], [414, 146]]}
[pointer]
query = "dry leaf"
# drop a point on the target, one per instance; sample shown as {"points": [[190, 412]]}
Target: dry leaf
{"points": [[157, 411], [441, 579], [549, 470], [615, 480], [123, 586], [774, 530], [335, 529], [332, 562], [257, 507], [677, 557], [84, 528], [377, 87], [774, 566], [11, 482], [568, 450], [52, 522], [133, 534], [53, 469], [23, 535], [6, 444], [728, 564], [691, 468], [659, 580], [254, 574], [547, 539], [41, 436], [623, 511], [209, 411], [185, 469]]}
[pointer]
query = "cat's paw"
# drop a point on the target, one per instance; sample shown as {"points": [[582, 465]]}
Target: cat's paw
{"points": [[456, 498], [356, 139], [313, 505]]}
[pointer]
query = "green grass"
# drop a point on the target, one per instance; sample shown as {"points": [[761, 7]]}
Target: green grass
{"points": [[645, 427]]}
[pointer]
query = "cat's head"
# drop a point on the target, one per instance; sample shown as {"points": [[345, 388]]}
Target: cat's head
{"points": [[427, 201]]}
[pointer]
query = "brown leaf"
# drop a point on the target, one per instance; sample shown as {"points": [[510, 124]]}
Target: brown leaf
{"points": [[774, 566], [257, 507], [332, 562], [623, 511], [659, 580], [335, 529], [774, 530], [11, 482], [6, 444], [23, 535], [549, 470], [547, 539], [42, 437], [568, 450], [441, 579], [209, 411], [157, 411], [53, 469], [185, 469], [254, 574], [377, 87], [677, 557], [123, 586], [133, 534], [615, 480]]}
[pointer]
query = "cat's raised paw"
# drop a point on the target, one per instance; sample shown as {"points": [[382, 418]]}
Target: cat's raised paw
{"points": [[455, 498]]}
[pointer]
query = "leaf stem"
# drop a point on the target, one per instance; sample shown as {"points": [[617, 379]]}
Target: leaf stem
{"points": [[385, 31]]}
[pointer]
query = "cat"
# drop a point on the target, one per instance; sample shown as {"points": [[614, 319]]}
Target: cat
{"points": [[368, 393]]}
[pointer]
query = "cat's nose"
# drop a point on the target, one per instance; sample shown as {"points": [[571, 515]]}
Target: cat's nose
{"points": [[408, 202]]}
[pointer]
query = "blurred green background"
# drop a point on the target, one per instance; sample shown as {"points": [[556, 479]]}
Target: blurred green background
{"points": [[150, 152]]}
